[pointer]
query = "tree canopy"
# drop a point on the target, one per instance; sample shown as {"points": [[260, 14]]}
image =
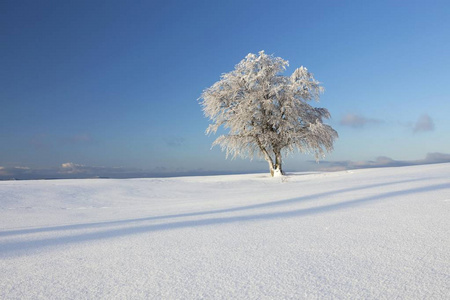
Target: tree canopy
{"points": [[267, 114]]}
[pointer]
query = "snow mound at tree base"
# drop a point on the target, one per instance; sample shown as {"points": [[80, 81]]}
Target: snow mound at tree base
{"points": [[277, 173]]}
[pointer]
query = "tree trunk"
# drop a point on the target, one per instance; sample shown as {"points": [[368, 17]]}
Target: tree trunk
{"points": [[275, 167], [278, 170], [272, 170], [275, 170]]}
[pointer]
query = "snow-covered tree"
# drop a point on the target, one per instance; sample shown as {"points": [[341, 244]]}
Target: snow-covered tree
{"points": [[267, 114]]}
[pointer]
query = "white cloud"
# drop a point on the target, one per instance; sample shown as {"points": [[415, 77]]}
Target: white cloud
{"points": [[11, 172], [68, 165], [71, 168]]}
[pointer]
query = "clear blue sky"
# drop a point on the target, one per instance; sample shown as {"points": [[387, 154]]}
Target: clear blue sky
{"points": [[113, 85]]}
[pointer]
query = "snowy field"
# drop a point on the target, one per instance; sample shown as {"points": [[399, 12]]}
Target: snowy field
{"points": [[363, 234]]}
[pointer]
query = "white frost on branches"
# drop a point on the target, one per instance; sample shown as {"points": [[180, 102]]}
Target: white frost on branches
{"points": [[266, 113]]}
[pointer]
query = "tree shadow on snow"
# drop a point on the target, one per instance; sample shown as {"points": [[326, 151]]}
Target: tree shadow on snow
{"points": [[193, 214], [21, 247]]}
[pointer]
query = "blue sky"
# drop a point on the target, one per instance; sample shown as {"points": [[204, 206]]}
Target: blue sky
{"points": [[112, 86]]}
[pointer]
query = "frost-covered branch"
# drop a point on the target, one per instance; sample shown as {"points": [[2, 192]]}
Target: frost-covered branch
{"points": [[266, 113]]}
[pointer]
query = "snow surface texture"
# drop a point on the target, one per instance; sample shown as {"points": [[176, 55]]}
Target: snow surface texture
{"points": [[372, 234]]}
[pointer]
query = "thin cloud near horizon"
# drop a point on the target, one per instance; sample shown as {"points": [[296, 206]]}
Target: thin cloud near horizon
{"points": [[357, 121], [71, 170], [383, 161]]}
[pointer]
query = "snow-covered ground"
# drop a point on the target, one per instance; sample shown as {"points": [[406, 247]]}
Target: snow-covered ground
{"points": [[371, 234]]}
